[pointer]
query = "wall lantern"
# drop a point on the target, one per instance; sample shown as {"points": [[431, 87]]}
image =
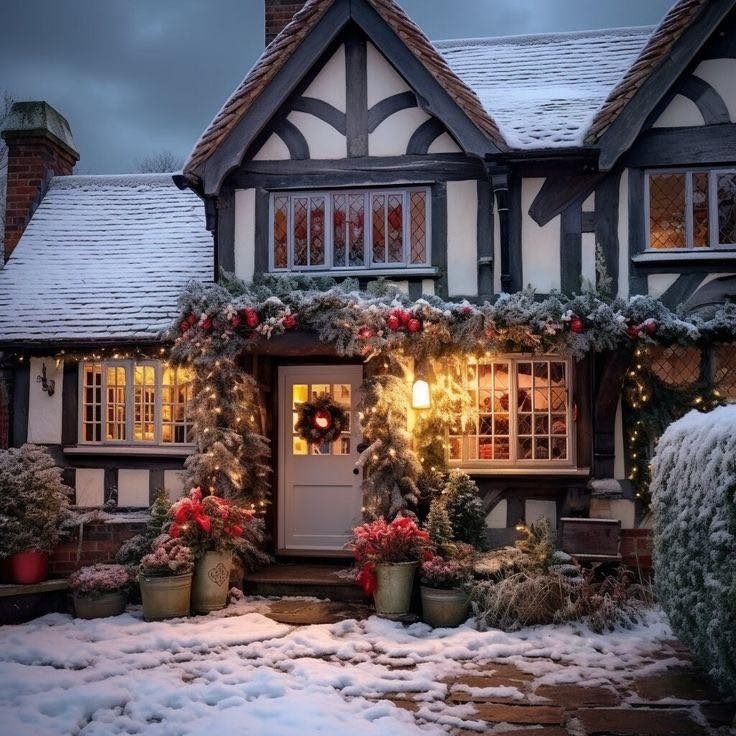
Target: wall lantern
{"points": [[420, 395], [47, 384]]}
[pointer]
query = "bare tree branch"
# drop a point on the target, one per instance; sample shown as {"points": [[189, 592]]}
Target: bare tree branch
{"points": [[160, 162]]}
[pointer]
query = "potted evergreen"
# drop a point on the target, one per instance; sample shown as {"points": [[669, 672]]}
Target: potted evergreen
{"points": [[388, 555], [33, 503], [99, 590], [445, 601], [213, 528], [165, 577]]}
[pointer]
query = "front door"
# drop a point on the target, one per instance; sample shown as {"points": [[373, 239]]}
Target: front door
{"points": [[319, 494]]}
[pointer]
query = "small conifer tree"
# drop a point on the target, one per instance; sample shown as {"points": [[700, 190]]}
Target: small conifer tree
{"points": [[438, 524], [465, 509]]}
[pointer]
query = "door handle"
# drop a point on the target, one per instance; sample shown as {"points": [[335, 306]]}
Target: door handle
{"points": [[356, 471]]}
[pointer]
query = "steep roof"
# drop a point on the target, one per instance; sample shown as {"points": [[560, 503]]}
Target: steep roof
{"points": [[283, 46], [544, 90], [104, 258]]}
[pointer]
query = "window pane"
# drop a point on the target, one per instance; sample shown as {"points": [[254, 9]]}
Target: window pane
{"points": [[317, 231], [418, 227], [176, 395], [300, 231], [92, 402], [144, 402], [666, 211], [395, 228], [115, 403], [700, 210], [378, 208], [339, 230], [280, 232], [727, 209], [356, 233], [724, 370]]}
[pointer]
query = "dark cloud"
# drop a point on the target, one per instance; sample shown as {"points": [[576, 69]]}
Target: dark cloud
{"points": [[137, 76]]}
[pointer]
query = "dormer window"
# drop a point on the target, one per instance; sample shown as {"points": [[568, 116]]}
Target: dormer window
{"points": [[691, 209], [349, 229]]}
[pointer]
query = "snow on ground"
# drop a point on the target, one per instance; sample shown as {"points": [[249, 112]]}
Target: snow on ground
{"points": [[238, 672]]}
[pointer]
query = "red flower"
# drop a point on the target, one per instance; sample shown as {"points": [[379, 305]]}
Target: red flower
{"points": [[203, 522], [236, 531], [367, 579]]}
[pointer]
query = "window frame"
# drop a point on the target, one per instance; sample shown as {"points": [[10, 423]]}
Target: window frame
{"points": [[713, 225], [368, 262], [129, 441], [476, 464]]}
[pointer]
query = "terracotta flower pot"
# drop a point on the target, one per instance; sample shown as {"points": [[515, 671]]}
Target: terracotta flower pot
{"points": [[108, 604], [211, 582], [165, 597], [29, 567], [395, 582], [442, 608]]}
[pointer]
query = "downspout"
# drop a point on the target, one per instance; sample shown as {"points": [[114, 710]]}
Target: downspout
{"points": [[499, 178]]}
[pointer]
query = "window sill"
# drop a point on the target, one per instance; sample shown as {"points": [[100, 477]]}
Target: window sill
{"points": [[130, 450], [522, 471], [685, 256], [400, 272]]}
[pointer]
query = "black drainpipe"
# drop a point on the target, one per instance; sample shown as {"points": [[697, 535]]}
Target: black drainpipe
{"points": [[499, 178]]}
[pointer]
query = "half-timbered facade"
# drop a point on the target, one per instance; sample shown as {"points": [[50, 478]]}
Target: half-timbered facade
{"points": [[355, 147]]}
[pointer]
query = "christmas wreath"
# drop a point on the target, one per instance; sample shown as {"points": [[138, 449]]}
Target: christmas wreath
{"points": [[321, 420]]}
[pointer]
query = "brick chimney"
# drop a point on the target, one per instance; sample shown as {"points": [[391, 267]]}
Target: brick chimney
{"points": [[40, 146], [278, 14]]}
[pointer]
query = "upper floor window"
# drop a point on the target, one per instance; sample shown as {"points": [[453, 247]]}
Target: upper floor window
{"points": [[690, 209], [135, 402], [349, 229], [521, 413]]}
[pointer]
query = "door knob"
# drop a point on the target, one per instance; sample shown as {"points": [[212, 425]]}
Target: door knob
{"points": [[356, 471]]}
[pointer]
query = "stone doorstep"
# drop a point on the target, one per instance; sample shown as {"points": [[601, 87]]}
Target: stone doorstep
{"points": [[638, 722], [47, 586], [544, 715], [543, 731], [575, 696], [305, 613], [685, 684]]}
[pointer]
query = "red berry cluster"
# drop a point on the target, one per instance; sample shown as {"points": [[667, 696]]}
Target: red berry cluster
{"points": [[403, 319], [576, 324], [648, 327], [249, 317]]}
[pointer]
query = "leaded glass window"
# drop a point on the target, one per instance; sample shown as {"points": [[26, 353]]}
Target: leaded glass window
{"points": [[349, 229]]}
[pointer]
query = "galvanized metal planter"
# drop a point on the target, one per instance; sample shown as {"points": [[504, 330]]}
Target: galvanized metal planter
{"points": [[165, 597], [211, 582], [442, 608], [109, 604], [395, 583]]}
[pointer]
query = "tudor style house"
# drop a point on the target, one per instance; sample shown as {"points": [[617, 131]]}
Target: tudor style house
{"points": [[357, 147]]}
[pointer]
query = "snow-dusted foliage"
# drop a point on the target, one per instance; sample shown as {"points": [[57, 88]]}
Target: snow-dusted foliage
{"points": [[694, 508]]}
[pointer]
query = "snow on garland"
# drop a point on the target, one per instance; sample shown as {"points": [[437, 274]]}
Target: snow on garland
{"points": [[219, 323]]}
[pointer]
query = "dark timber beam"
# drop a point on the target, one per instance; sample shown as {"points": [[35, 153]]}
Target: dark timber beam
{"points": [[293, 138], [708, 101], [388, 106], [571, 248], [356, 75], [707, 144], [605, 223], [610, 369], [558, 192], [423, 137], [323, 110]]}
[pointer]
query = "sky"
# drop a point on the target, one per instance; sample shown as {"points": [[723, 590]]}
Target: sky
{"points": [[135, 77]]}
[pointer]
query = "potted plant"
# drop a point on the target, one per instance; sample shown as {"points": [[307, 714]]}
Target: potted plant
{"points": [[388, 554], [212, 527], [165, 577], [99, 590], [33, 503], [445, 602]]}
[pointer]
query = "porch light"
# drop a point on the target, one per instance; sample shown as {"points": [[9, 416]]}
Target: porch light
{"points": [[420, 395]]}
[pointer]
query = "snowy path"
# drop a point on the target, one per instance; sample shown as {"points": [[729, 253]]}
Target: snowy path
{"points": [[238, 672]]}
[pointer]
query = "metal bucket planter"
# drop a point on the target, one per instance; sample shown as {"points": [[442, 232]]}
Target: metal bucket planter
{"points": [[108, 604], [165, 597], [395, 582], [211, 582], [442, 608]]}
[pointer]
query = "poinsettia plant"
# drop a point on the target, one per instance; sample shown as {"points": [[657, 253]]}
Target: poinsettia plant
{"points": [[378, 542], [94, 581], [208, 523]]}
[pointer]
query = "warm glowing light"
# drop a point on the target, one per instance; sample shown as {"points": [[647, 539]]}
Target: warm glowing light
{"points": [[420, 398]]}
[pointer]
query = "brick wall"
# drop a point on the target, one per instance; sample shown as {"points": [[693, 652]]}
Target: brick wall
{"points": [[278, 14], [100, 542], [32, 161], [636, 548]]}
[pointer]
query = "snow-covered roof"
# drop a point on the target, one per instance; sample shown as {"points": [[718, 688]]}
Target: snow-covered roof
{"points": [[543, 91], [104, 258]]}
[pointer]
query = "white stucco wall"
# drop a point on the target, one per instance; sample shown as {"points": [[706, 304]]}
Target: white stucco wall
{"points": [[444, 144], [721, 75], [587, 263], [462, 238], [133, 487], [90, 486], [681, 112], [245, 233], [623, 235], [274, 149], [323, 140], [392, 136], [329, 84], [44, 411], [539, 509], [174, 484], [496, 517], [658, 283], [383, 79], [540, 246]]}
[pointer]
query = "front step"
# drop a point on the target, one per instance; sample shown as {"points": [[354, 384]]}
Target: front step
{"points": [[302, 579]]}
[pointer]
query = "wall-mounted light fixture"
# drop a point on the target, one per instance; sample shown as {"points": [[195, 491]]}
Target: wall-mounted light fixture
{"points": [[47, 384], [420, 393]]}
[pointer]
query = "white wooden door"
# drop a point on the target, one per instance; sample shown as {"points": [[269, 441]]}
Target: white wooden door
{"points": [[319, 493]]}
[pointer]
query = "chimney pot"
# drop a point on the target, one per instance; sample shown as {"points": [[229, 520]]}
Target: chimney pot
{"points": [[278, 15], [40, 146]]}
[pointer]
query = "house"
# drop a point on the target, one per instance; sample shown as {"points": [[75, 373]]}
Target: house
{"points": [[459, 169]]}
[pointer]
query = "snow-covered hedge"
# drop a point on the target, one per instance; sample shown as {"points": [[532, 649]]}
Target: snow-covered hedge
{"points": [[694, 508]]}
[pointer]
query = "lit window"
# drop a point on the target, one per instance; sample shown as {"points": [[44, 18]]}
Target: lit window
{"points": [[349, 229], [724, 370], [691, 209], [128, 402], [521, 413]]}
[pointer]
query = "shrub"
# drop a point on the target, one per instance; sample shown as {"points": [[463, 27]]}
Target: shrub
{"points": [[97, 580], [694, 520], [33, 500], [438, 524], [169, 557], [439, 572], [465, 509]]}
